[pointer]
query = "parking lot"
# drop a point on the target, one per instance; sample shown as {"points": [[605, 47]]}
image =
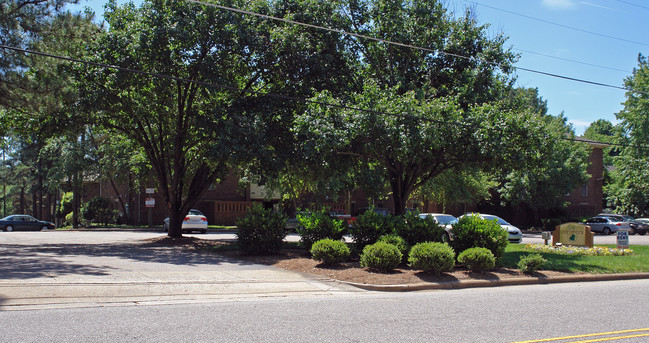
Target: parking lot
{"points": [[116, 236]]}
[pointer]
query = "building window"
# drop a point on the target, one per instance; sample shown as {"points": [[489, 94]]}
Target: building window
{"points": [[584, 191]]}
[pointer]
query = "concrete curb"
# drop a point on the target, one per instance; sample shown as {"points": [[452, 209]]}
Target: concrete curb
{"points": [[421, 286]]}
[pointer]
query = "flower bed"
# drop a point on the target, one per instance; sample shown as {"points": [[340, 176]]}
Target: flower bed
{"points": [[574, 250]]}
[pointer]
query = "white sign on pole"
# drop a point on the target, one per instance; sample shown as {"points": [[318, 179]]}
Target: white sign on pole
{"points": [[149, 202], [623, 239], [150, 190]]}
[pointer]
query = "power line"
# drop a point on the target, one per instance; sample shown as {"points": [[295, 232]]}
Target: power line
{"points": [[283, 97], [410, 46], [557, 24], [573, 61], [231, 88], [632, 4]]}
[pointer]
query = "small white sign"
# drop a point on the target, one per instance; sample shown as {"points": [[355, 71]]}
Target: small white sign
{"points": [[623, 239], [149, 202], [150, 190]]}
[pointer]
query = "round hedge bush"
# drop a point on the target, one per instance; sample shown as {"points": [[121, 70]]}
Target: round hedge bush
{"points": [[397, 241], [381, 256], [329, 251], [477, 259], [529, 264], [473, 231], [261, 231], [432, 257], [316, 225]]}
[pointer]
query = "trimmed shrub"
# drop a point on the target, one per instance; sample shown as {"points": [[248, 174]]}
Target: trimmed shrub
{"points": [[418, 230], [473, 231], [477, 259], [432, 257], [368, 227], [381, 256], [397, 241], [100, 210], [531, 263], [330, 252], [261, 231], [314, 226]]}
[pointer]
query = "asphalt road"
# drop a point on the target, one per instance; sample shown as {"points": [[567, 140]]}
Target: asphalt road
{"points": [[503, 314]]}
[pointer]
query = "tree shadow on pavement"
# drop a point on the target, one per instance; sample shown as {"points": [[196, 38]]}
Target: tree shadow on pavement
{"points": [[51, 260]]}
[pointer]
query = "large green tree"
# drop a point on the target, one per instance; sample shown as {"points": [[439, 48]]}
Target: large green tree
{"points": [[188, 131], [415, 141], [21, 23], [629, 189], [35, 91], [433, 109]]}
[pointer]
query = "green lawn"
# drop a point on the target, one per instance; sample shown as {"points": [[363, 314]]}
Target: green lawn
{"points": [[636, 262]]}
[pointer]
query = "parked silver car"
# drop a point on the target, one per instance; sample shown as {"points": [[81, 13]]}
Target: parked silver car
{"points": [[607, 224], [637, 226], [445, 220]]}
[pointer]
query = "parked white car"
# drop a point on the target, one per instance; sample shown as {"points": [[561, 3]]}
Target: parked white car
{"points": [[445, 220], [515, 234], [194, 221]]}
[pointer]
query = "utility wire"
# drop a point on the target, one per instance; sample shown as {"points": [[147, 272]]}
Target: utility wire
{"points": [[231, 88], [283, 97], [632, 4], [573, 61], [557, 24], [410, 46]]}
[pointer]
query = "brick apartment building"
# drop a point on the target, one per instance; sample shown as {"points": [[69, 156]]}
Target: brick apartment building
{"points": [[224, 202]]}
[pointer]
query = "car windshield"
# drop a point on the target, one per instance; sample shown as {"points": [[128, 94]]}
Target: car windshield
{"points": [[497, 219], [447, 219]]}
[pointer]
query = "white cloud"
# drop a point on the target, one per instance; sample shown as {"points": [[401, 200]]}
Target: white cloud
{"points": [[560, 4]]}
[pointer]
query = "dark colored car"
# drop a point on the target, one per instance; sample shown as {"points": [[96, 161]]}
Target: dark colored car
{"points": [[24, 222]]}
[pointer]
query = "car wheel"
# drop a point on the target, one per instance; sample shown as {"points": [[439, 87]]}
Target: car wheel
{"points": [[633, 231], [606, 231], [9, 228], [446, 238], [44, 228], [642, 233]]}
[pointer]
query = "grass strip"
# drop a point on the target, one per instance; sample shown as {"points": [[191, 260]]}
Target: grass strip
{"points": [[636, 262]]}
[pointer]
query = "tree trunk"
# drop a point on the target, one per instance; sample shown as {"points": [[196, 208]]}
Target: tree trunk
{"points": [[400, 193], [175, 224]]}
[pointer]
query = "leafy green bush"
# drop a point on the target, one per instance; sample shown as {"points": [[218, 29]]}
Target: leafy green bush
{"points": [[368, 227], [65, 205], [473, 231], [330, 252], [100, 210], [432, 257], [531, 263], [477, 259], [418, 230], [381, 256], [314, 226], [397, 241], [261, 231]]}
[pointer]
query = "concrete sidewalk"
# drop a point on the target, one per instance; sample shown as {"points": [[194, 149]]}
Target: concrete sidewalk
{"points": [[81, 275]]}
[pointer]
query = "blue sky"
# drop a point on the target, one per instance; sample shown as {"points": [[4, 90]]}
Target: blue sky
{"points": [[594, 40], [598, 58]]}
